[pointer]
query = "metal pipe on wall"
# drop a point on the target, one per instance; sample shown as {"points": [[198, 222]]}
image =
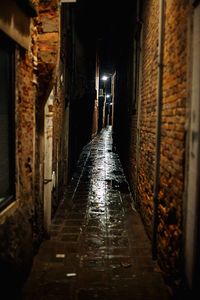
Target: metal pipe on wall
{"points": [[158, 128]]}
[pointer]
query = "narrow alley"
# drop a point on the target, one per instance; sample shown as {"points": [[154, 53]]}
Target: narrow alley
{"points": [[100, 149], [98, 248]]}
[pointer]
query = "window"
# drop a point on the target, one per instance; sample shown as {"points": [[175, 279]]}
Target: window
{"points": [[7, 136]]}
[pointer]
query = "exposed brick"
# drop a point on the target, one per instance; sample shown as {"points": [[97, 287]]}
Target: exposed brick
{"points": [[142, 141]]}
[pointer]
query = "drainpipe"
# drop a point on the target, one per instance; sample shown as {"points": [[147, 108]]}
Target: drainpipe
{"points": [[158, 130]]}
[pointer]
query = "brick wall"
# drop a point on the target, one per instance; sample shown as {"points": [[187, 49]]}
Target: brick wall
{"points": [[21, 226], [132, 164], [16, 222], [141, 171], [173, 136], [147, 113], [134, 130], [25, 112], [47, 55], [48, 46]]}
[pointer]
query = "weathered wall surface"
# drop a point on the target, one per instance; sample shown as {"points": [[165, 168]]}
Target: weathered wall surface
{"points": [[173, 135], [58, 140], [16, 228], [136, 129], [147, 116], [142, 129], [48, 46], [46, 62], [21, 225]]}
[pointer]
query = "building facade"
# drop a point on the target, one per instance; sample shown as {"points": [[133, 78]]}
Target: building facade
{"points": [[160, 117], [42, 64]]}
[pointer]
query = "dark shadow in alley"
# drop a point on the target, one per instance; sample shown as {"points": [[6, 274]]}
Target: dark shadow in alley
{"points": [[98, 247]]}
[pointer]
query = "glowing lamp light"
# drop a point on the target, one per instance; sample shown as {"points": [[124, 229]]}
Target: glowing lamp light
{"points": [[104, 78]]}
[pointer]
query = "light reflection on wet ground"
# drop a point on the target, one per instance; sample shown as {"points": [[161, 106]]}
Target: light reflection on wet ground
{"points": [[105, 253]]}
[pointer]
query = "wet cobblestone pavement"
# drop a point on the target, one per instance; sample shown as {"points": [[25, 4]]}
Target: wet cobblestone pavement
{"points": [[98, 247]]}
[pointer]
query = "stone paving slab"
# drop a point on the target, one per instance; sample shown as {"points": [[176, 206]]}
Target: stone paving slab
{"points": [[98, 247]]}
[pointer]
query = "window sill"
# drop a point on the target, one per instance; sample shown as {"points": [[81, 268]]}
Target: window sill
{"points": [[8, 211]]}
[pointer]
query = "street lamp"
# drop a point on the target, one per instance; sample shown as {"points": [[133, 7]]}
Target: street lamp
{"points": [[104, 78]]}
